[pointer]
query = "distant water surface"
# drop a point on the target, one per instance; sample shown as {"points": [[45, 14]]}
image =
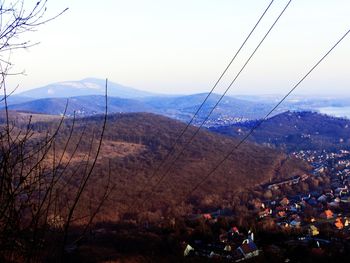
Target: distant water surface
{"points": [[336, 111]]}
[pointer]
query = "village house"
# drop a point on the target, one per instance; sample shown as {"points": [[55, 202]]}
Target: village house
{"points": [[284, 202], [313, 230], [338, 223], [234, 249], [264, 213], [327, 214], [248, 249]]}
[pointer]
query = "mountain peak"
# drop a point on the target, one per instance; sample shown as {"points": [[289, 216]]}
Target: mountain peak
{"points": [[87, 86]]}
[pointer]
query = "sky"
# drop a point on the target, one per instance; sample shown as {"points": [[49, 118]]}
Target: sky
{"points": [[182, 46]]}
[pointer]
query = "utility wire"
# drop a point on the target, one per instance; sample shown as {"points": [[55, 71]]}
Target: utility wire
{"points": [[265, 118], [220, 99], [172, 148]]}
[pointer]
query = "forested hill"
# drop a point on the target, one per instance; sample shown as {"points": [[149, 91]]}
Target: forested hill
{"points": [[136, 143], [296, 131]]}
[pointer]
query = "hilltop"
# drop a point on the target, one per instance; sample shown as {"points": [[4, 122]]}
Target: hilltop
{"points": [[295, 131]]}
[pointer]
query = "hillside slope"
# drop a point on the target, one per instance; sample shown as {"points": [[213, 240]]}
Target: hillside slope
{"points": [[134, 145]]}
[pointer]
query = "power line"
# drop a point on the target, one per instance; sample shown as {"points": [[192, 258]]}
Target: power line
{"points": [[220, 99], [172, 148], [265, 118]]}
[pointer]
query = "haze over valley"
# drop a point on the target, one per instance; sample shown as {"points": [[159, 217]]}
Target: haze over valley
{"points": [[86, 97]]}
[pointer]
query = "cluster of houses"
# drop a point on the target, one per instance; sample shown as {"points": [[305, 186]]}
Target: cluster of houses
{"points": [[289, 213], [222, 120], [329, 205], [322, 158], [307, 213], [232, 246]]}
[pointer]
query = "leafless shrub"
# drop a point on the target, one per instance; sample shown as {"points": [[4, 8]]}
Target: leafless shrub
{"points": [[40, 189]]}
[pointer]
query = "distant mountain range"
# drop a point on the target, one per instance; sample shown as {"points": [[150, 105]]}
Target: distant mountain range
{"points": [[86, 97], [82, 105], [177, 107], [295, 131], [88, 86]]}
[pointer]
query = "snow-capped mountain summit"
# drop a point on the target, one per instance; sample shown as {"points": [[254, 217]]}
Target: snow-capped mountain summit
{"points": [[88, 86]]}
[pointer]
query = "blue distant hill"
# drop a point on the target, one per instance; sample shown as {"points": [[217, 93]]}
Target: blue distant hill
{"points": [[177, 107], [88, 86], [86, 97]]}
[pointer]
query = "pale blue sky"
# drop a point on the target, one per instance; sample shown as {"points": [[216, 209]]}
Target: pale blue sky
{"points": [[181, 46]]}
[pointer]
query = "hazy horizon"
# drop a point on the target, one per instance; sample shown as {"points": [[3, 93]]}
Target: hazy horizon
{"points": [[182, 47], [261, 95]]}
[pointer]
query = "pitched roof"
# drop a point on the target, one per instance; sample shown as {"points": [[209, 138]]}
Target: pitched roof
{"points": [[284, 201], [328, 213], [313, 227], [338, 223], [248, 246], [207, 216]]}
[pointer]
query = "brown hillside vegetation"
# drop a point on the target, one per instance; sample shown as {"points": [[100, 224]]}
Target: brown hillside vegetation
{"points": [[23, 117], [135, 144]]}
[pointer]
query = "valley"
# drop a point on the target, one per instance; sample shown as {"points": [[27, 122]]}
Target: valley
{"points": [[270, 186]]}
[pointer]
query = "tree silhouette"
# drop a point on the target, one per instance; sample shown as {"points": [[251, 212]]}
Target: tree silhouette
{"points": [[40, 188]]}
